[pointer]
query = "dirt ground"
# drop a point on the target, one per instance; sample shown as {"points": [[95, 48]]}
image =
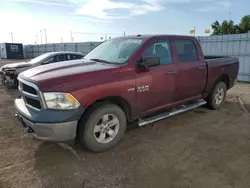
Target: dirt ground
{"points": [[198, 149]]}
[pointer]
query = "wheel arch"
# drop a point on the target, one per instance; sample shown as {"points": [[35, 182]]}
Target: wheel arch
{"points": [[223, 78], [117, 100]]}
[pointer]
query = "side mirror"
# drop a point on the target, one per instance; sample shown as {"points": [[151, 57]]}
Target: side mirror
{"points": [[149, 62]]}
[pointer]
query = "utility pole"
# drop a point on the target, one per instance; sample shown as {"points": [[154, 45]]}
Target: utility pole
{"points": [[41, 33], [71, 36], [11, 34], [105, 37], [45, 33], [124, 33], [61, 40], [37, 40], [229, 16]]}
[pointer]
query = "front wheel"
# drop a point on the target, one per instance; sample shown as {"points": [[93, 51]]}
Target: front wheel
{"points": [[102, 128], [217, 97]]}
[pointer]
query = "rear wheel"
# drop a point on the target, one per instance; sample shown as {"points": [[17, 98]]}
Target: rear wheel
{"points": [[217, 97], [102, 128]]}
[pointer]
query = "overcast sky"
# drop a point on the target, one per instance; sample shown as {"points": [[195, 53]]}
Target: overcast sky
{"points": [[27, 19]]}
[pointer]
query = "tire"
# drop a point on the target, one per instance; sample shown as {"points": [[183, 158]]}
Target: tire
{"points": [[217, 96], [100, 118]]}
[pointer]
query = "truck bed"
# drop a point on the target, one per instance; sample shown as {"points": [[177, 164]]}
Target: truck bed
{"points": [[219, 65], [213, 57]]}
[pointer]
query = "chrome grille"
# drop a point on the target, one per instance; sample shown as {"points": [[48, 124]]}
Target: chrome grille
{"points": [[30, 94]]}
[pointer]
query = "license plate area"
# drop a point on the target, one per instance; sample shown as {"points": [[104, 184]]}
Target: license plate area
{"points": [[24, 125]]}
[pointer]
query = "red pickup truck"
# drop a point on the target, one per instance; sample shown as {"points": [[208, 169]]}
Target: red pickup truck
{"points": [[139, 79]]}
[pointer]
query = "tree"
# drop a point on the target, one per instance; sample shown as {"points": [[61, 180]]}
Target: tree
{"points": [[245, 24], [217, 28], [230, 28], [224, 28], [236, 29]]}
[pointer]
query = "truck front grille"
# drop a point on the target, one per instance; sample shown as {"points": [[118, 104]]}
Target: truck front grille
{"points": [[29, 89], [30, 94], [33, 102]]}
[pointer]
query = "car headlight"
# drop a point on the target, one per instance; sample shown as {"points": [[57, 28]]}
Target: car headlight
{"points": [[63, 101]]}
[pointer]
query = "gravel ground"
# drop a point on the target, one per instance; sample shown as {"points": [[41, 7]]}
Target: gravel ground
{"points": [[198, 149]]}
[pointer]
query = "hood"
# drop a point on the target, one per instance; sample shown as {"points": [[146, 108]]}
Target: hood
{"points": [[58, 74], [16, 65]]}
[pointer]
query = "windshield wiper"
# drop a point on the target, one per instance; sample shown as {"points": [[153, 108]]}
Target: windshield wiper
{"points": [[101, 60]]}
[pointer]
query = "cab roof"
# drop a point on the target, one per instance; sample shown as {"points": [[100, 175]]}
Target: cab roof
{"points": [[149, 36]]}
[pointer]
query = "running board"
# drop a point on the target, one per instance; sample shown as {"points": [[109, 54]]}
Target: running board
{"points": [[165, 115]]}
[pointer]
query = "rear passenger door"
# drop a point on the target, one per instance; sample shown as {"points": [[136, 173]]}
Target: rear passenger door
{"points": [[191, 70]]}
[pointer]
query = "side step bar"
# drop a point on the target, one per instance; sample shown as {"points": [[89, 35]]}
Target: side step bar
{"points": [[165, 115]]}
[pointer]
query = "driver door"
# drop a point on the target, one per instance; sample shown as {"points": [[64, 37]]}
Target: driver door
{"points": [[156, 85]]}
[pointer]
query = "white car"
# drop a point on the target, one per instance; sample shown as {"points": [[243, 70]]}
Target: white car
{"points": [[9, 72]]}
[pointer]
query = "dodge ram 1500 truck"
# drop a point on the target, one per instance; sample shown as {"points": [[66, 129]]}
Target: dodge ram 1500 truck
{"points": [[139, 79]]}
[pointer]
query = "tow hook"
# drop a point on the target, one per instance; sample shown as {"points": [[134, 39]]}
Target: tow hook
{"points": [[29, 130]]}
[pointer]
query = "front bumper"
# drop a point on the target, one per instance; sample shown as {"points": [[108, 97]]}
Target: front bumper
{"points": [[49, 125], [8, 78]]}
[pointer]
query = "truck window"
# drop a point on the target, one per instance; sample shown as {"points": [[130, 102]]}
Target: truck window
{"points": [[159, 49], [186, 50]]}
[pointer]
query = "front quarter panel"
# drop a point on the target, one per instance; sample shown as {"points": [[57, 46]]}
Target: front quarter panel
{"points": [[108, 84]]}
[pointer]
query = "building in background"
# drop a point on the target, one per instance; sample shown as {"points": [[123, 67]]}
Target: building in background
{"points": [[11, 51]]}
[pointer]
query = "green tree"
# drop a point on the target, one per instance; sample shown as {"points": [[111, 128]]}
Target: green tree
{"points": [[224, 28], [230, 28], [216, 27], [245, 24], [236, 29]]}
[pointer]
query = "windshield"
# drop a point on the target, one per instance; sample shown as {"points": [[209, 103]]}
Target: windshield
{"points": [[116, 51], [39, 58]]}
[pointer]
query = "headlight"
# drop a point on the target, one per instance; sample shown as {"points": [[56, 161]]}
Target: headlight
{"points": [[64, 101]]}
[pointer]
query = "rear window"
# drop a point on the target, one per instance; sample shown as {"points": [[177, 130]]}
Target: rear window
{"points": [[186, 50]]}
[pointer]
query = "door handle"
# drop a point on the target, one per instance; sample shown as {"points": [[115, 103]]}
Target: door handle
{"points": [[171, 72], [201, 68]]}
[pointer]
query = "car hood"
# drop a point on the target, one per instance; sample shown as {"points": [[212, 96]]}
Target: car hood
{"points": [[16, 65], [56, 75]]}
